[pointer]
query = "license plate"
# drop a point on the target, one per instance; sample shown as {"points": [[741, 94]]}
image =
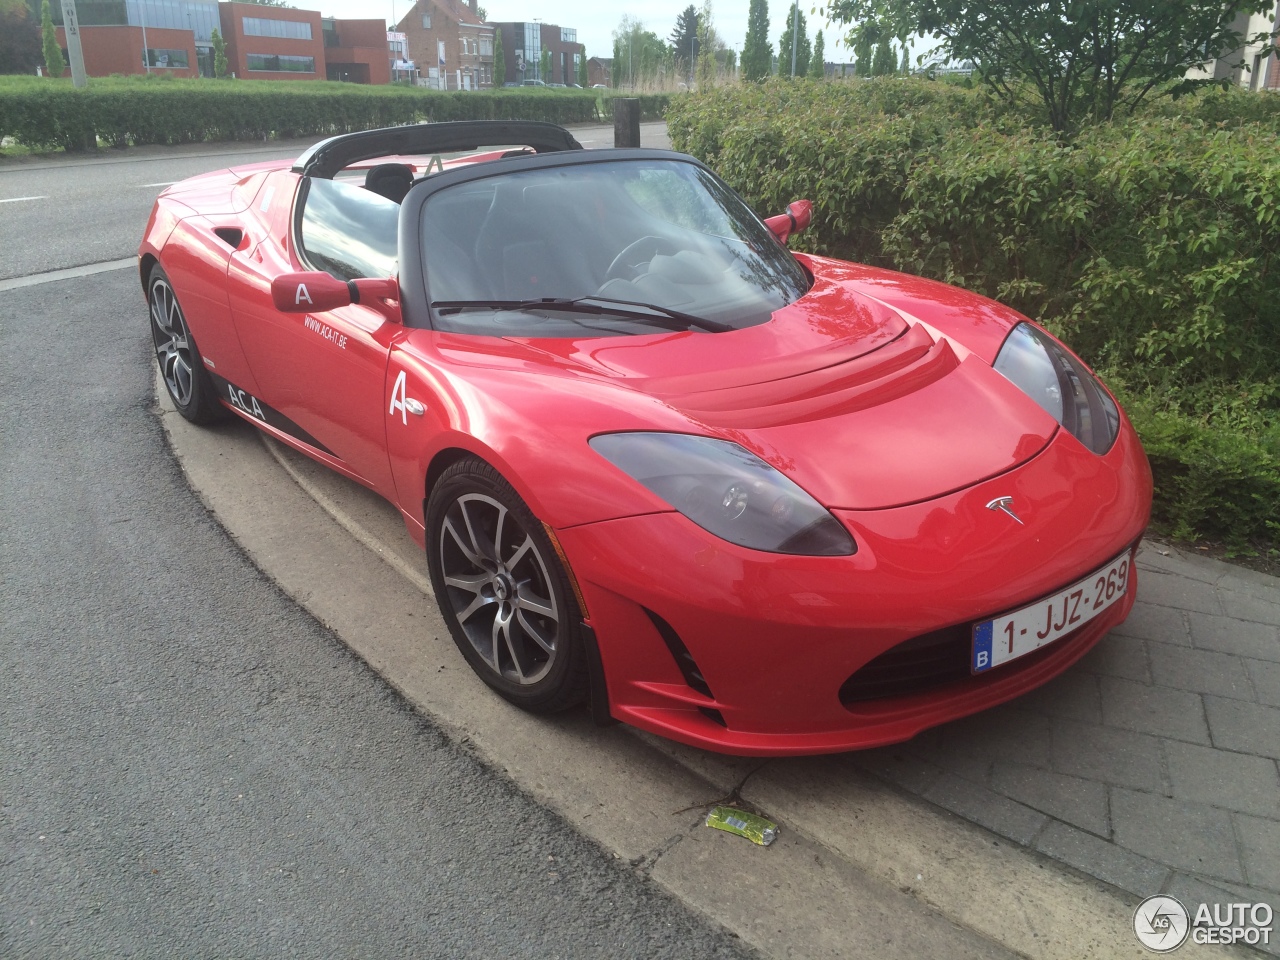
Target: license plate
{"points": [[1029, 628]]}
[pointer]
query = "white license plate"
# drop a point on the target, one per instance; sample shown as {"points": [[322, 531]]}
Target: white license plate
{"points": [[1029, 628]]}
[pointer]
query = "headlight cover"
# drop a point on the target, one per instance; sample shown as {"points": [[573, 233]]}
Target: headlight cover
{"points": [[727, 491], [1039, 366]]}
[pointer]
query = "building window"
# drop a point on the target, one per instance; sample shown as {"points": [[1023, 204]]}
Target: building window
{"points": [[426, 21], [173, 59], [284, 29], [568, 35], [486, 46], [270, 63]]}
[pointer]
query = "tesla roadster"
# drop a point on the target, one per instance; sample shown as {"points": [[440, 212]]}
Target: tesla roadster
{"points": [[749, 499]]}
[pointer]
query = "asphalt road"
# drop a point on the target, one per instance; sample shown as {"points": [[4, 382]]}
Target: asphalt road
{"points": [[191, 765], [72, 211]]}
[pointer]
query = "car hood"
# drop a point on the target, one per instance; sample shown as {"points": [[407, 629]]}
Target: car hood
{"points": [[861, 405]]}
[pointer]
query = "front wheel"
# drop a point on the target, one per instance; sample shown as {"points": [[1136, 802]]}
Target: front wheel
{"points": [[181, 367], [502, 590]]}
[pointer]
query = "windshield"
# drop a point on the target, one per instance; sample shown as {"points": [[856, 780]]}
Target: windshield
{"points": [[663, 232]]}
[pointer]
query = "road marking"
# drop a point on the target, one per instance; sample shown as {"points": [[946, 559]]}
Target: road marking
{"points": [[20, 199], [162, 183], [71, 273]]}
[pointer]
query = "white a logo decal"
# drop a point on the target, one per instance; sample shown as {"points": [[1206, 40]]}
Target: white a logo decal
{"points": [[397, 400], [302, 295]]}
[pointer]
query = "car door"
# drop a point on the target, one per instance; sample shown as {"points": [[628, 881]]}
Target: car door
{"points": [[322, 374]]}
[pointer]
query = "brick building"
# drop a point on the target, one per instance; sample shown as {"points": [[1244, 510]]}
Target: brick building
{"points": [[272, 43], [177, 38], [119, 49], [600, 70], [355, 51], [450, 45], [263, 43], [523, 44]]}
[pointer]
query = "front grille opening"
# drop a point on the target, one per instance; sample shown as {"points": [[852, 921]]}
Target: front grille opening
{"points": [[915, 665], [683, 658]]}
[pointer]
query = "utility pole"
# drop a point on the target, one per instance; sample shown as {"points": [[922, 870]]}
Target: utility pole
{"points": [[71, 25], [146, 57]]}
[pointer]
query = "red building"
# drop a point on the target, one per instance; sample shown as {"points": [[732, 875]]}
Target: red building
{"points": [[118, 49], [273, 43], [355, 51], [450, 45]]}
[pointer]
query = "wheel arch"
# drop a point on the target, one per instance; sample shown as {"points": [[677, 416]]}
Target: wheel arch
{"points": [[146, 263]]}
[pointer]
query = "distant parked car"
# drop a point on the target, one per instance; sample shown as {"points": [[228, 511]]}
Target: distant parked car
{"points": [[512, 83], [599, 86], [560, 85], [534, 83]]}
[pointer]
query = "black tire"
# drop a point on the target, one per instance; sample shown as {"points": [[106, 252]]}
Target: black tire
{"points": [[181, 366], [503, 591]]}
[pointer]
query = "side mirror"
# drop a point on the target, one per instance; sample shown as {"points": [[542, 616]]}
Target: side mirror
{"points": [[317, 291], [799, 214]]}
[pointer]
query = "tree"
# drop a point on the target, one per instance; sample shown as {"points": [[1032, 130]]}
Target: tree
{"points": [[220, 64], [818, 63], [1080, 59], [545, 67], [757, 51], [684, 40], [584, 75], [802, 52], [862, 49], [499, 59], [639, 56], [19, 38], [54, 64], [884, 62], [483, 14], [904, 67], [707, 40]]}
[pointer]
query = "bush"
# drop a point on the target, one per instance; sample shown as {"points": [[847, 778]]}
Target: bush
{"points": [[1151, 243], [138, 110]]}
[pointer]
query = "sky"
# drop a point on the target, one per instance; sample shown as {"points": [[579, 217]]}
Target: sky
{"points": [[595, 21]]}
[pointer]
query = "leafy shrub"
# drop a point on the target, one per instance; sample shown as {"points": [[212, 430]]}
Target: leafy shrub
{"points": [[1151, 243], [138, 110]]}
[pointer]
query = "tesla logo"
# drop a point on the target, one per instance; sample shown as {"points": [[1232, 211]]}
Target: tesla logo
{"points": [[1005, 505], [302, 295]]}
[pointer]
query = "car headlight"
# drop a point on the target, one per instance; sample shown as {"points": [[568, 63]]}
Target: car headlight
{"points": [[727, 491], [1039, 366]]}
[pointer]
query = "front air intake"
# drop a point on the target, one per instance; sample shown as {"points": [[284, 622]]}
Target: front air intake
{"points": [[680, 653]]}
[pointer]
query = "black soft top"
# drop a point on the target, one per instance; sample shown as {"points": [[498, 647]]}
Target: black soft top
{"points": [[329, 156]]}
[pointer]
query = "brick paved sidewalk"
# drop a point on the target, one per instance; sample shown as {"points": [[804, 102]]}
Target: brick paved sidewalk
{"points": [[1152, 764]]}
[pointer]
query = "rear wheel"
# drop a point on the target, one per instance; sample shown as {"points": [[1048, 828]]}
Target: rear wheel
{"points": [[503, 591], [181, 366]]}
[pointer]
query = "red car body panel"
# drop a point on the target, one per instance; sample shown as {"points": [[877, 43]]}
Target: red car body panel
{"points": [[874, 393]]}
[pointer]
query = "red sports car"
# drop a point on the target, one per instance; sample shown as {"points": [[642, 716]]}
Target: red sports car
{"points": [[753, 500]]}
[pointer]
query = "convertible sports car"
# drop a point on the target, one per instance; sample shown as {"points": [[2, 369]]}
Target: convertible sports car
{"points": [[753, 500]]}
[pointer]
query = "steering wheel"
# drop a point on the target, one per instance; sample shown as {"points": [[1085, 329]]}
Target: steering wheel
{"points": [[626, 265]]}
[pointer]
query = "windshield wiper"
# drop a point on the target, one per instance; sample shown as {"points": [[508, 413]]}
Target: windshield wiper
{"points": [[665, 315]]}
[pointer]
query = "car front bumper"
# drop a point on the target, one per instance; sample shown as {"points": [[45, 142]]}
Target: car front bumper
{"points": [[771, 639]]}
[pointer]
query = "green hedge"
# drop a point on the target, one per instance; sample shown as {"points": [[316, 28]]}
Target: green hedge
{"points": [[1152, 244], [44, 113]]}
